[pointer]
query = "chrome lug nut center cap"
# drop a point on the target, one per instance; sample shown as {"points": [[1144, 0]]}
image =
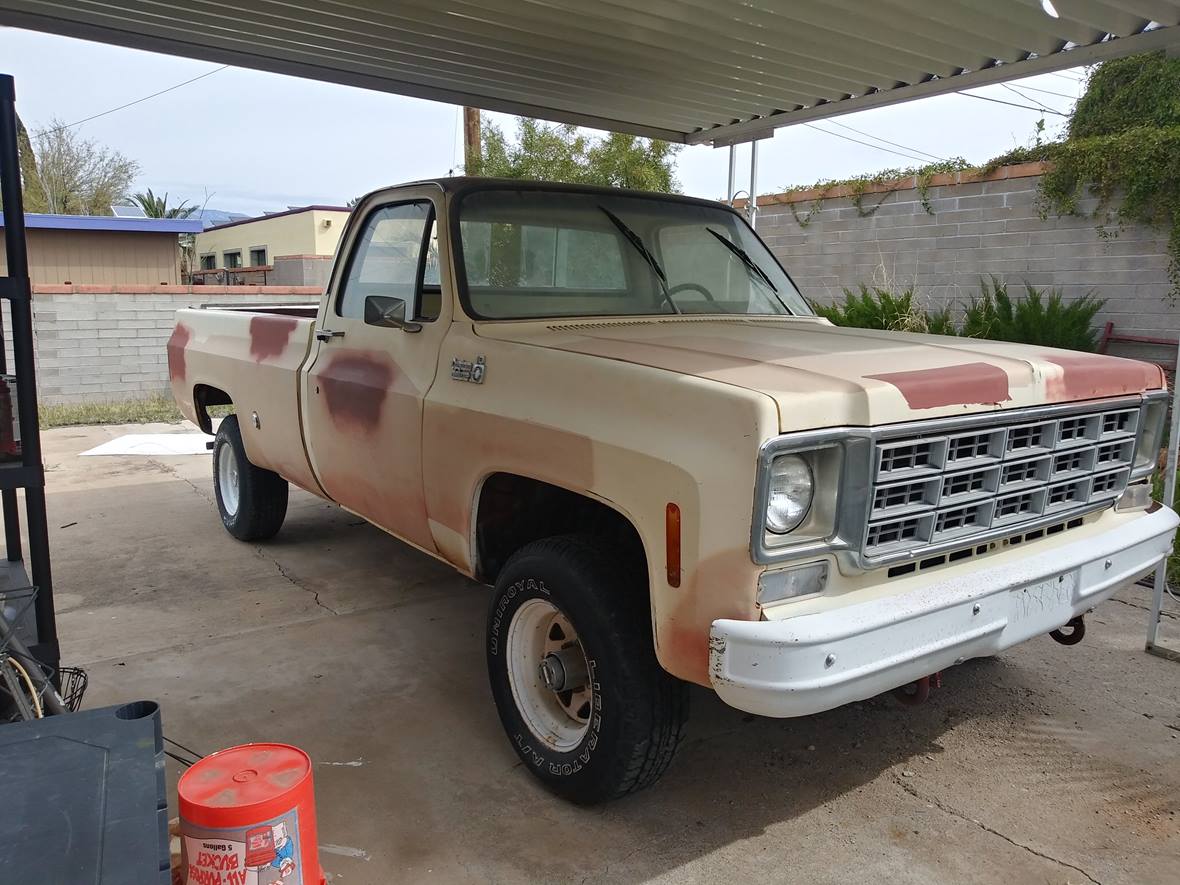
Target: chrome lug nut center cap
{"points": [[552, 672]]}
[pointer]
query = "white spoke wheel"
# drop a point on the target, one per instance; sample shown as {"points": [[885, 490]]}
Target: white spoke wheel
{"points": [[549, 675], [574, 674], [252, 501]]}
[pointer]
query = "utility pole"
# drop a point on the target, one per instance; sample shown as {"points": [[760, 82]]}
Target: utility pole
{"points": [[471, 145]]}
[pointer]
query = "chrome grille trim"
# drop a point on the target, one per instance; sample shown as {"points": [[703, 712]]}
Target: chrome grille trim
{"points": [[919, 453], [930, 489]]}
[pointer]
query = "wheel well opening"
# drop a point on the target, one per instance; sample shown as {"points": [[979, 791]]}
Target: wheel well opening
{"points": [[205, 396], [515, 510]]}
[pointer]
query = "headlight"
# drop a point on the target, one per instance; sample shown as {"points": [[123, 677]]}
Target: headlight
{"points": [[791, 490], [1151, 436]]}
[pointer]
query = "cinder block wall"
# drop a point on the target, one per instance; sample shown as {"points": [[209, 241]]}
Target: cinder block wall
{"points": [[979, 227], [103, 343]]}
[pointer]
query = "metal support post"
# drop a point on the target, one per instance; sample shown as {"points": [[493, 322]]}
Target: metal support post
{"points": [[19, 293], [1169, 498], [732, 175], [752, 205]]}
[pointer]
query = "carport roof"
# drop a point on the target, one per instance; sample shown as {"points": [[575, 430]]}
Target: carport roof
{"points": [[695, 71]]}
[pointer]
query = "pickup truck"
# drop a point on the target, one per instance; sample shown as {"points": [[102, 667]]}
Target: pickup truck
{"points": [[616, 409]]}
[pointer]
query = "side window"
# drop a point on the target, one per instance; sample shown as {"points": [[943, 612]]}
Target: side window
{"points": [[387, 259]]}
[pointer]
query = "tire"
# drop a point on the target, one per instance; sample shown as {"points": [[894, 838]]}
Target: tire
{"points": [[617, 734], [252, 501]]}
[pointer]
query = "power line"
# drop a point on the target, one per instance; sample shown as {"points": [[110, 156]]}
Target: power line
{"points": [[1065, 76], [141, 100], [865, 143], [1019, 94], [887, 141], [1049, 91], [1012, 104]]}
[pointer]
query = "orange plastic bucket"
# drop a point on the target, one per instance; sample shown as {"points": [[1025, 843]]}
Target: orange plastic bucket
{"points": [[247, 817]]}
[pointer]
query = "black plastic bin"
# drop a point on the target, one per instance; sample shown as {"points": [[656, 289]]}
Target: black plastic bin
{"points": [[83, 799]]}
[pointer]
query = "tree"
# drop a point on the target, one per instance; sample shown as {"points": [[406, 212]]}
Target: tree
{"points": [[76, 176], [560, 152], [34, 195], [157, 207]]}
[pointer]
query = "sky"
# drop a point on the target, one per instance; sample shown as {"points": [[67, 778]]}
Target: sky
{"points": [[249, 141]]}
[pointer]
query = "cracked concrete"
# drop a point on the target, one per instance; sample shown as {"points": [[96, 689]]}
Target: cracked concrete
{"points": [[315, 594], [1048, 764], [943, 806]]}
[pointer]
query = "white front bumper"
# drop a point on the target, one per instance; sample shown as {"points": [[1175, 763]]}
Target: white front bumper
{"points": [[813, 662]]}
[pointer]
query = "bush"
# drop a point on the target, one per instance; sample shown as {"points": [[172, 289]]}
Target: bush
{"points": [[1039, 317], [878, 308], [1035, 319]]}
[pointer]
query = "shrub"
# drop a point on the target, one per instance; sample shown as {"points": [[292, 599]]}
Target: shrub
{"points": [[1038, 318], [877, 308]]}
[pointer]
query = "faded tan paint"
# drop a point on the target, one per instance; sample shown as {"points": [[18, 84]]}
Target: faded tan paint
{"points": [[635, 413], [215, 349], [363, 396]]}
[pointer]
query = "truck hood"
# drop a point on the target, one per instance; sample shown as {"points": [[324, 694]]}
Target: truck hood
{"points": [[822, 375]]}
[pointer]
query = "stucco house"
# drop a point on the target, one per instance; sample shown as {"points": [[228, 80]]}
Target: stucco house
{"points": [[294, 247]]}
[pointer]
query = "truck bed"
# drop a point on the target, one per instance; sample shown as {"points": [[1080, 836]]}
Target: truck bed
{"points": [[251, 356]]}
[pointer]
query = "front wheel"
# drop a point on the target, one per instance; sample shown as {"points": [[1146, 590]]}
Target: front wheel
{"points": [[252, 501], [573, 673]]}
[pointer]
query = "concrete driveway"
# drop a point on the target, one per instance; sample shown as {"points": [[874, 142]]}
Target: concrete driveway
{"points": [[1048, 764]]}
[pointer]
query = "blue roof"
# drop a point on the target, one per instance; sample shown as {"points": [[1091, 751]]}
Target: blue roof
{"points": [[110, 222]]}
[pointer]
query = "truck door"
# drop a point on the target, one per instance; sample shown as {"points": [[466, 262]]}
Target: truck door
{"points": [[378, 336]]}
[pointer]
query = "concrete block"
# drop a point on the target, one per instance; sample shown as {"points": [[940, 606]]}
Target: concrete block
{"points": [[984, 201]]}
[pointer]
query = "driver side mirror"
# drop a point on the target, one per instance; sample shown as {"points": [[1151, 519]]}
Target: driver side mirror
{"points": [[389, 312]]}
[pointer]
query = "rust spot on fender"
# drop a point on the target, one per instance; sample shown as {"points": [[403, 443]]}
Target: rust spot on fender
{"points": [[1089, 376], [355, 386], [179, 340], [967, 385], [683, 638], [269, 335]]}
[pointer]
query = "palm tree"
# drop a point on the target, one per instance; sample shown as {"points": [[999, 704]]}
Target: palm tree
{"points": [[157, 207]]}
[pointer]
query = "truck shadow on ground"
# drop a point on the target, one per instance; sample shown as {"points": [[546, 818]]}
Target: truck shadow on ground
{"points": [[736, 776]]}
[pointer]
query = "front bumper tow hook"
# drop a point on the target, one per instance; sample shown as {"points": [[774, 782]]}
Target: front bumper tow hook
{"points": [[1076, 632], [918, 692]]}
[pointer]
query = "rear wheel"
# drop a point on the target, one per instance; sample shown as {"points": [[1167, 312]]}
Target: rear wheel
{"points": [[252, 501], [579, 691]]}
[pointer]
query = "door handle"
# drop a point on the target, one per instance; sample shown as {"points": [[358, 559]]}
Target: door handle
{"points": [[328, 334]]}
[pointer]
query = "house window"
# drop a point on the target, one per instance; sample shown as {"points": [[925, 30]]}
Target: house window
{"points": [[208, 262], [257, 256], [232, 259]]}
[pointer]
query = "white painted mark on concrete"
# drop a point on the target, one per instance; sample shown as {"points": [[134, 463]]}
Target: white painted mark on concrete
{"points": [[344, 851], [154, 444], [355, 763]]}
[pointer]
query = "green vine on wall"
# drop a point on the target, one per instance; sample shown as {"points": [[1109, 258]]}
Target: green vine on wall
{"points": [[868, 192], [1121, 149]]}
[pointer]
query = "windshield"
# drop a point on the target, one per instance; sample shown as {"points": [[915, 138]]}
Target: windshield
{"points": [[529, 254]]}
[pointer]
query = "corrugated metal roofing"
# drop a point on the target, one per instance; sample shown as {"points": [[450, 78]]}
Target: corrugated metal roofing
{"points": [[684, 70]]}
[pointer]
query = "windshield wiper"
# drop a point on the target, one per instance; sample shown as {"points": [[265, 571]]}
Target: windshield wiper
{"points": [[635, 240], [745, 259]]}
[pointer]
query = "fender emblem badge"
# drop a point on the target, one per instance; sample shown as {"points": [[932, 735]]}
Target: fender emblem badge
{"points": [[466, 370]]}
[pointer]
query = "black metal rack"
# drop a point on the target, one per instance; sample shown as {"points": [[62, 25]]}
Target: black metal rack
{"points": [[27, 473]]}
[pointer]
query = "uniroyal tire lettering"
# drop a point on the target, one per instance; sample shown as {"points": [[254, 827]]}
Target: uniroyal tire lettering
{"points": [[528, 584]]}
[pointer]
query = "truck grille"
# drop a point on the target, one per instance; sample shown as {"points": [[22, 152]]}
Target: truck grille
{"points": [[934, 489]]}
